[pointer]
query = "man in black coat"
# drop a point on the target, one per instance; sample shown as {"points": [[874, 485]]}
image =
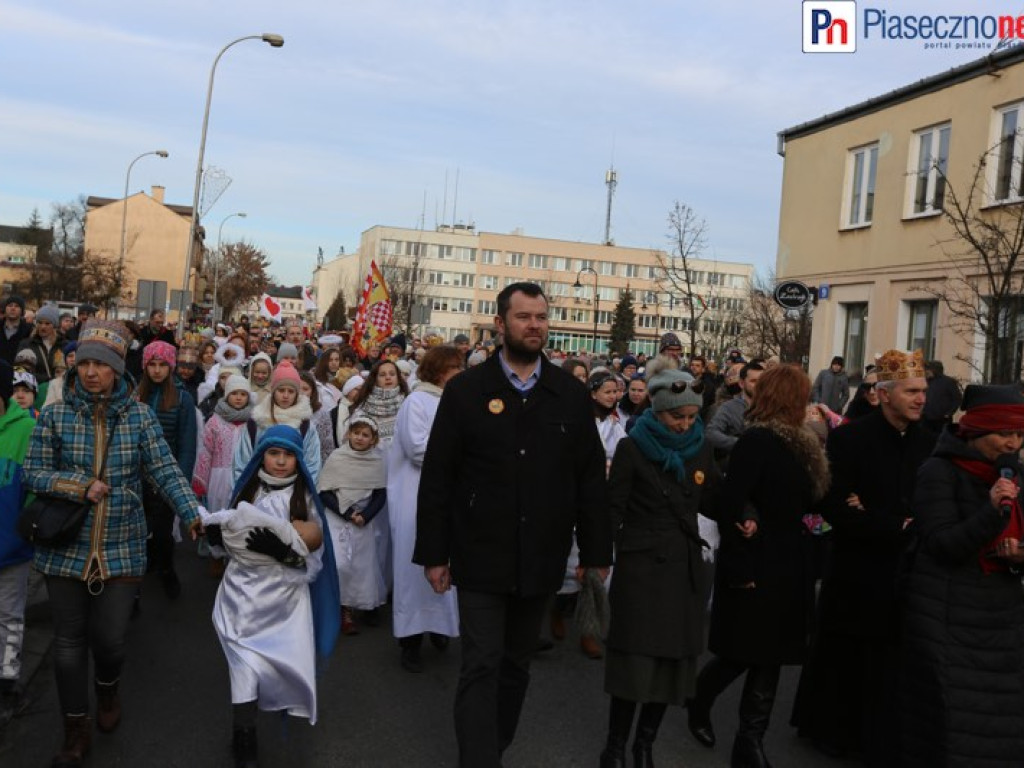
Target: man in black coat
{"points": [[513, 465], [846, 698], [156, 330], [943, 398]]}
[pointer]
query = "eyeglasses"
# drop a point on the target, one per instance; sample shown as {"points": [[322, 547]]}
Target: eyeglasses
{"points": [[868, 384]]}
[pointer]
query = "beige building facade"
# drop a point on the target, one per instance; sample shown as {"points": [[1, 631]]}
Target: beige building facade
{"points": [[156, 235], [864, 193], [458, 272]]}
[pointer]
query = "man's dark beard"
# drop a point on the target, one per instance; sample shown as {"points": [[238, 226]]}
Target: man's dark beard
{"points": [[519, 354]]}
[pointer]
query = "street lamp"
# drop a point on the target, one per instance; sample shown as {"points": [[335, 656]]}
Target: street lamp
{"points": [[275, 41], [124, 225], [216, 264], [597, 300]]}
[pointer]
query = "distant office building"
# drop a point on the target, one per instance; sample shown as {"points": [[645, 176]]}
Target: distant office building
{"points": [[457, 273]]}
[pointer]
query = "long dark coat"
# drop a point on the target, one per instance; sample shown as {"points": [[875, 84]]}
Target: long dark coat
{"points": [[766, 624], [871, 458], [506, 480], [856, 643], [656, 606], [962, 700]]}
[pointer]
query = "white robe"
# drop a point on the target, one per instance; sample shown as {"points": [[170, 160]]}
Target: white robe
{"points": [[263, 613], [416, 607]]}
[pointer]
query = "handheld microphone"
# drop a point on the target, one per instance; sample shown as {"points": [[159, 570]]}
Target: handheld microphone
{"points": [[1007, 464]]}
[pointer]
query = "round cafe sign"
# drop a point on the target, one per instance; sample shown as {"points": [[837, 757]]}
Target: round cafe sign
{"points": [[792, 294]]}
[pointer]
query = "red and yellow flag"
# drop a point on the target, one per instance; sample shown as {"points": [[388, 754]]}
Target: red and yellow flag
{"points": [[373, 316]]}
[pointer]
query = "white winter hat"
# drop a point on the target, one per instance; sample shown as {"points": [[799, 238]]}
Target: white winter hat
{"points": [[354, 382], [235, 383]]}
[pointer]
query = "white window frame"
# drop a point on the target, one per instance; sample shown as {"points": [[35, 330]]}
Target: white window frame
{"points": [[1015, 181], [514, 260], [607, 268], [927, 168], [538, 261], [860, 186]]}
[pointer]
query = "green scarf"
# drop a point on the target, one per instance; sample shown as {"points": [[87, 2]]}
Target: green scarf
{"points": [[665, 448]]}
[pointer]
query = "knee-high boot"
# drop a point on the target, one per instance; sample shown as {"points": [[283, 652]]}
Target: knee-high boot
{"points": [[620, 723], [647, 726], [717, 675], [755, 715]]}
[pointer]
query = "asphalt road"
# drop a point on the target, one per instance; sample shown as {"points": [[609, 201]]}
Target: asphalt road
{"points": [[177, 710]]}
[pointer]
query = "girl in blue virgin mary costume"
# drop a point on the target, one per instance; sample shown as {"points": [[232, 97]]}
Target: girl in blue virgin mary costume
{"points": [[277, 605]]}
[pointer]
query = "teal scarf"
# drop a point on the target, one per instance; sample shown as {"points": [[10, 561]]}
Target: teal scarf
{"points": [[665, 448]]}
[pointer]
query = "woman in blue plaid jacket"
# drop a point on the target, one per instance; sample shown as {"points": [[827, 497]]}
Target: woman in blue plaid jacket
{"points": [[92, 581]]}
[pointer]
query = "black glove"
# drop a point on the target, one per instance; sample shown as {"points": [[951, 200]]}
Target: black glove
{"points": [[213, 536], [266, 542]]}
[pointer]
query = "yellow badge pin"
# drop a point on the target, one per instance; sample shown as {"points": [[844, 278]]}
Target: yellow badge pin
{"points": [[496, 406], [698, 477]]}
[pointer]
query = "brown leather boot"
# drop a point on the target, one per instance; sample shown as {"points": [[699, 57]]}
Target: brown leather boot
{"points": [[77, 733], [108, 706], [591, 647]]}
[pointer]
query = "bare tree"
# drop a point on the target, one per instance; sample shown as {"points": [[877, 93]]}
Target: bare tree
{"points": [[242, 274], [408, 284], [58, 270], [768, 330], [984, 282], [687, 237]]}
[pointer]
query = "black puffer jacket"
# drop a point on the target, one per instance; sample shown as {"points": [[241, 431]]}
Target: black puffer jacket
{"points": [[963, 648]]}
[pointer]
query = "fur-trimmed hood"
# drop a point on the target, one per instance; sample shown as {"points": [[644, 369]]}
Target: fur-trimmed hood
{"points": [[806, 447]]}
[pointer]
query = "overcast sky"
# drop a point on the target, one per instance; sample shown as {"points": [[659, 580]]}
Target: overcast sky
{"points": [[368, 105]]}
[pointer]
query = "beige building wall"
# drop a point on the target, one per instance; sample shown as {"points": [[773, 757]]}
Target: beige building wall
{"points": [[464, 270], [898, 258], [154, 244]]}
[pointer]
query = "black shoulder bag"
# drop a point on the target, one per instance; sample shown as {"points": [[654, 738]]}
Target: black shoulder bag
{"points": [[53, 521]]}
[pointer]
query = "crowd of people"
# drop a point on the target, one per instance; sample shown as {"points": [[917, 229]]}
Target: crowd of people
{"points": [[869, 532]]}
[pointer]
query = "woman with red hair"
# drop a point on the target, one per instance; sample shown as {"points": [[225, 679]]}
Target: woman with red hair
{"points": [[777, 471]]}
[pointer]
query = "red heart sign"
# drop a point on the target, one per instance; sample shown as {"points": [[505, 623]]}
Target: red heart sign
{"points": [[272, 306]]}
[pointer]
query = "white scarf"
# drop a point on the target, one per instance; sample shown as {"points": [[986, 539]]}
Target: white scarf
{"points": [[352, 474], [290, 417]]}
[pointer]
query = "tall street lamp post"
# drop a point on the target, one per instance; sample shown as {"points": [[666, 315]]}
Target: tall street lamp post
{"points": [[597, 301], [275, 41], [216, 264], [124, 225]]}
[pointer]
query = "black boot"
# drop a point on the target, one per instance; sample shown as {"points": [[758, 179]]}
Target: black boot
{"points": [[755, 714], [411, 658], [717, 675], [620, 723], [647, 726], [244, 747]]}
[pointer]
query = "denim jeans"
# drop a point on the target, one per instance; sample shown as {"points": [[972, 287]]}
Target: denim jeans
{"points": [[13, 596], [84, 622]]}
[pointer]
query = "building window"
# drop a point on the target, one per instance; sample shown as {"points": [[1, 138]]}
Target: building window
{"points": [[488, 257], [604, 318], [463, 279], [514, 260], [538, 262], [863, 165], [462, 305], [412, 249], [921, 330], [646, 321], [631, 270], [489, 282], [608, 294], [465, 254], [854, 335], [487, 307], [930, 175], [607, 268], [558, 314], [1010, 168], [558, 289], [390, 247], [440, 304], [652, 273]]}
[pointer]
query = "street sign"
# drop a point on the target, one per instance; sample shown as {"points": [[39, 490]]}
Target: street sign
{"points": [[792, 294]]}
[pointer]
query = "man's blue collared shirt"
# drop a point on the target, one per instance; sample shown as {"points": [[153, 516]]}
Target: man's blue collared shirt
{"points": [[523, 387]]}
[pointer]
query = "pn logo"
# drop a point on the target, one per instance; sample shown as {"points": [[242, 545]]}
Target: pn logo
{"points": [[829, 26]]}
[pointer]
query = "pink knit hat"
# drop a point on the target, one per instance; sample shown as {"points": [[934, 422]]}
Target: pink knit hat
{"points": [[284, 374], [160, 350]]}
